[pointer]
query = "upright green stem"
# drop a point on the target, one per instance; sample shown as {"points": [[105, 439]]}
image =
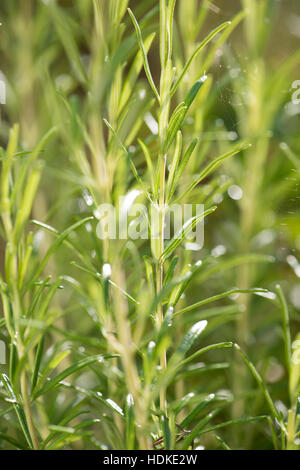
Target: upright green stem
{"points": [[160, 273], [12, 277], [27, 410], [165, 99], [291, 430], [128, 360], [16, 306]]}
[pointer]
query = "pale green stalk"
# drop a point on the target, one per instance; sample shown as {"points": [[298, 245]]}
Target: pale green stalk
{"points": [[166, 23]]}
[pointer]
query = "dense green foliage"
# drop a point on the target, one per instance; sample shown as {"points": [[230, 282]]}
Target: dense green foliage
{"points": [[141, 344]]}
